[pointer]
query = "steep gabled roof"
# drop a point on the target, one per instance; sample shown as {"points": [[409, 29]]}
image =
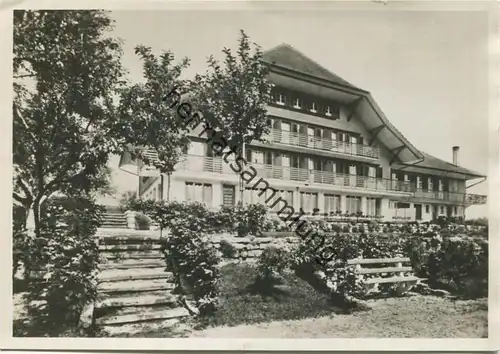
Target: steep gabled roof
{"points": [[287, 57]]}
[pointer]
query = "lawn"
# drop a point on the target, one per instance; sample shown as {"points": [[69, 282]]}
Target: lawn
{"points": [[295, 309], [404, 317], [244, 302]]}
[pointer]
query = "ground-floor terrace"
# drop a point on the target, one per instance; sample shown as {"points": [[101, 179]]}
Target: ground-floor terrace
{"points": [[212, 182]]}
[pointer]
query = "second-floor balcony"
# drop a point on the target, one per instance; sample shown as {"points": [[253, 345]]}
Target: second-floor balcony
{"points": [[310, 176], [306, 176], [321, 143]]}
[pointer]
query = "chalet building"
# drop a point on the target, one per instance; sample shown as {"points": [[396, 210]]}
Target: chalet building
{"points": [[330, 150]]}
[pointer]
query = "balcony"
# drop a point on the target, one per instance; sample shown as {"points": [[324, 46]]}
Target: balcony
{"points": [[314, 142], [475, 199], [440, 195], [218, 165]]}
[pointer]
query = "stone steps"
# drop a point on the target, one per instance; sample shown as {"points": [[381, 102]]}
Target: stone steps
{"points": [[161, 329], [135, 291], [134, 300], [114, 218], [113, 275], [136, 315], [134, 285], [129, 247], [146, 263]]}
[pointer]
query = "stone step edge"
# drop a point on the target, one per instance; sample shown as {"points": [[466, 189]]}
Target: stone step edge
{"points": [[135, 301], [107, 266], [132, 289], [177, 312], [117, 278]]}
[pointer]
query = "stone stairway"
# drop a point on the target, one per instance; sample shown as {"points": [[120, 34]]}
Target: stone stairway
{"points": [[136, 293], [114, 218]]}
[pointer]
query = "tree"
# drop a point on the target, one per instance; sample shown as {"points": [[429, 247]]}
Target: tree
{"points": [[233, 96], [149, 124], [66, 71]]}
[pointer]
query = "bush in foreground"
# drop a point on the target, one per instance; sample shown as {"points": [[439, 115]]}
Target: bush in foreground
{"points": [[62, 263]]}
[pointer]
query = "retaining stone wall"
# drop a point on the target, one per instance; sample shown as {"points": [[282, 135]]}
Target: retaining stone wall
{"points": [[249, 248]]}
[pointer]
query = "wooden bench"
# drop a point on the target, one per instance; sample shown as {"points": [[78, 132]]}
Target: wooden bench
{"points": [[404, 282]]}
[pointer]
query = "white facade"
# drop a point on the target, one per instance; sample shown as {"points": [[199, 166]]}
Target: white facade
{"points": [[330, 150]]}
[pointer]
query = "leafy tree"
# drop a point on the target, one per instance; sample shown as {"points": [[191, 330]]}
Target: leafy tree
{"points": [[66, 70], [149, 124], [233, 96]]}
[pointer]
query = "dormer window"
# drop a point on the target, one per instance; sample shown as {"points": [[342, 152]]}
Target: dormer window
{"points": [[280, 99], [296, 103], [328, 111], [313, 107]]}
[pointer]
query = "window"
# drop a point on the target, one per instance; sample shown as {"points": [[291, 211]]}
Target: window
{"points": [[430, 184], [402, 205], [442, 209], [332, 203], [353, 205], [227, 195], [371, 206], [308, 201], [427, 209], [372, 171], [287, 196], [455, 210], [419, 182], [328, 111], [313, 107], [280, 99], [297, 103], [199, 192]]}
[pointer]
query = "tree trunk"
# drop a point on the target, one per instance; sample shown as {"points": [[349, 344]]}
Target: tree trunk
{"points": [[242, 186], [168, 187], [33, 216]]}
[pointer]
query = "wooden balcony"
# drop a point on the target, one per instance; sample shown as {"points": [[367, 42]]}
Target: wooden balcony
{"points": [[314, 142], [440, 195], [475, 199], [218, 165]]}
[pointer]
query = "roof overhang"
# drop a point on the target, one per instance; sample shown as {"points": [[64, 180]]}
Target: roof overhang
{"points": [[128, 164], [136, 167]]}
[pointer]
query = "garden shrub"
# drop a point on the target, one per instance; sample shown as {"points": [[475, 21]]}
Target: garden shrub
{"points": [[246, 220], [458, 264], [227, 249], [187, 252], [63, 262], [336, 228], [142, 221], [273, 261]]}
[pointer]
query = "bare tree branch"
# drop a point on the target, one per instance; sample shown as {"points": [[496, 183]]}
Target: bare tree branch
{"points": [[25, 188], [18, 114], [19, 199]]}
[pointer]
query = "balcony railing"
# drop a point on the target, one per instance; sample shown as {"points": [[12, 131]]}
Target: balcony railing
{"points": [[314, 142], [217, 165], [440, 195]]}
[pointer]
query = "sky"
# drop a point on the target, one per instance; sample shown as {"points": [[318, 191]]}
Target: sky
{"points": [[428, 71]]}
